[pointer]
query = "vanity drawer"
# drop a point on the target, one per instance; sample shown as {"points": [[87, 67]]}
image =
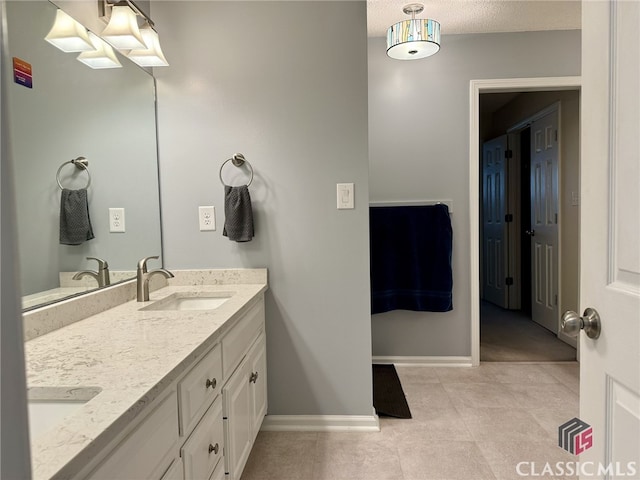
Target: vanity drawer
{"points": [[203, 450], [199, 388], [236, 343], [147, 449]]}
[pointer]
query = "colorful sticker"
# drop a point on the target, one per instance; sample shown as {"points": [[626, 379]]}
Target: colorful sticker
{"points": [[22, 73]]}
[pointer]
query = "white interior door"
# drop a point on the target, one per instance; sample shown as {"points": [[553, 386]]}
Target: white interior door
{"points": [[494, 228], [544, 221], [610, 233]]}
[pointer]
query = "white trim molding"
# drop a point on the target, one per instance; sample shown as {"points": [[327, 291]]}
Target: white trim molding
{"points": [[321, 423], [476, 87], [416, 361]]}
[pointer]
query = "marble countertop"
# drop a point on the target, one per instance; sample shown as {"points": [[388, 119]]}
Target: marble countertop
{"points": [[131, 356]]}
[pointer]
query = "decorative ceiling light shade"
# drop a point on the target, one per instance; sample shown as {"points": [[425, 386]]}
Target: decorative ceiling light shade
{"points": [[415, 38], [152, 56], [68, 35], [102, 57], [122, 30]]}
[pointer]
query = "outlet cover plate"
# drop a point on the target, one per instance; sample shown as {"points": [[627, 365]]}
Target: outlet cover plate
{"points": [[207, 218], [116, 220]]}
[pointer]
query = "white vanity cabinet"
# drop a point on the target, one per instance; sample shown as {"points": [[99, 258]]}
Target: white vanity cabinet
{"points": [[206, 423], [245, 405]]}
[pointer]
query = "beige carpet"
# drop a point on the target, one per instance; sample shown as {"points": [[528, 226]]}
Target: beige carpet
{"points": [[510, 336]]}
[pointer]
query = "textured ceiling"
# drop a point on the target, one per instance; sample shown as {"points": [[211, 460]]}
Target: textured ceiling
{"points": [[479, 16]]}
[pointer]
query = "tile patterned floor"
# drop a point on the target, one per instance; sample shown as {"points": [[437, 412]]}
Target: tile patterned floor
{"points": [[468, 424]]}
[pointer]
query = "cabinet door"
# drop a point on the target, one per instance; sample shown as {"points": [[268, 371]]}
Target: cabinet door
{"points": [[236, 397], [258, 380], [175, 471]]}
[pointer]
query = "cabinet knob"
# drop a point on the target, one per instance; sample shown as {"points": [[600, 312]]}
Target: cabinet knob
{"points": [[254, 377], [211, 383], [214, 448]]}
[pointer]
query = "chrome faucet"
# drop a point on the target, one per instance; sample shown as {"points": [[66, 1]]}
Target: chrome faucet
{"points": [[101, 276], [143, 277]]}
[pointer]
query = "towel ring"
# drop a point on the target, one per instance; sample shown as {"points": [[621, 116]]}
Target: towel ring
{"points": [[79, 162], [238, 160]]}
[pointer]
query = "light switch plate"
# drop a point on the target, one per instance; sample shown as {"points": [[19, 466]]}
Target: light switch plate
{"points": [[345, 195], [207, 218], [116, 220]]}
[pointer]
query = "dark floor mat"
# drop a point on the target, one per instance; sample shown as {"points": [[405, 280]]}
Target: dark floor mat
{"points": [[388, 396]]}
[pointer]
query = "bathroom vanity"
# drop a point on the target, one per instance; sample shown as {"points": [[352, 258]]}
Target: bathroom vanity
{"points": [[177, 385]]}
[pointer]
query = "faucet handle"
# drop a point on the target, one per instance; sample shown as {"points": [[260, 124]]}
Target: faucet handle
{"points": [[102, 264], [142, 264]]}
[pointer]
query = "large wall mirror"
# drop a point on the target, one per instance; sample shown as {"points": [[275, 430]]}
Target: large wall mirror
{"points": [[106, 116]]}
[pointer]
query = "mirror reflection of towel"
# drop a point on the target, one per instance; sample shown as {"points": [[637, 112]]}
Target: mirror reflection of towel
{"points": [[238, 214], [75, 224]]}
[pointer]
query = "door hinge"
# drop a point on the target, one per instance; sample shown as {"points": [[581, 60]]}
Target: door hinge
{"points": [[556, 135], [556, 218], [508, 281], [508, 154], [508, 218], [555, 299]]}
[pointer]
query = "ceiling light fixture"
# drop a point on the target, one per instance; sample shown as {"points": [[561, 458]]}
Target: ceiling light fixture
{"points": [[102, 57], [68, 35], [151, 56], [122, 31], [415, 38]]}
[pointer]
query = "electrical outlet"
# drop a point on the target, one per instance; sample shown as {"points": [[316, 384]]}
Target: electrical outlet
{"points": [[207, 218], [116, 220]]}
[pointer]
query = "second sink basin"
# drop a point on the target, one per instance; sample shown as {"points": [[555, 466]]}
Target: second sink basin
{"points": [[191, 301]]}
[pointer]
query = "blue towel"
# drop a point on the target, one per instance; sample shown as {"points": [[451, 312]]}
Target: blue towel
{"points": [[411, 249]]}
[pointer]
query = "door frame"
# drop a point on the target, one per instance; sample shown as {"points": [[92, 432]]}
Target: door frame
{"points": [[476, 87]]}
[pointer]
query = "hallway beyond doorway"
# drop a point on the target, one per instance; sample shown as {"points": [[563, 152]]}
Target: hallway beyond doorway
{"points": [[511, 336]]}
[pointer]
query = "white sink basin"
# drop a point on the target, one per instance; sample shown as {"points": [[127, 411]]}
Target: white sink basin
{"points": [[48, 406], [191, 301]]}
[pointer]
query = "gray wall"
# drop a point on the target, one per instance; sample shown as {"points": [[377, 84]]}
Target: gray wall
{"points": [[419, 149], [14, 440], [285, 83]]}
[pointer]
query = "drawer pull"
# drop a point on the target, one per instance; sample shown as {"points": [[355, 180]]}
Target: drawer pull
{"points": [[214, 448], [211, 383], [254, 377]]}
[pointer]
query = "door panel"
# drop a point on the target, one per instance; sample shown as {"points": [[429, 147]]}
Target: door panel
{"points": [[494, 232], [610, 231], [544, 221]]}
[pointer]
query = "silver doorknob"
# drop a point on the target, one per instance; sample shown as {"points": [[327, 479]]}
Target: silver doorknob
{"points": [[531, 233], [572, 323]]}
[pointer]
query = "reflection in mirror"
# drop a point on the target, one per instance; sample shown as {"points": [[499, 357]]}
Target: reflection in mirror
{"points": [[71, 111]]}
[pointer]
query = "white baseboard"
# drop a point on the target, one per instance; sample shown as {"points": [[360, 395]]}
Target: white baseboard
{"points": [[416, 361], [321, 423]]}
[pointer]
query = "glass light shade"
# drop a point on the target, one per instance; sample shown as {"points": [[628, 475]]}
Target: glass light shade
{"points": [[413, 39], [102, 57], [152, 56], [68, 35], [122, 31]]}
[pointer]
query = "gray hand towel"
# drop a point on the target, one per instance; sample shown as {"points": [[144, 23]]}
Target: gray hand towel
{"points": [[75, 224], [238, 221]]}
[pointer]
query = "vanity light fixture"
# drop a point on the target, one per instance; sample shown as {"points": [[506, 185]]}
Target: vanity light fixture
{"points": [[122, 31], [415, 38], [68, 35], [102, 57], [152, 56]]}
